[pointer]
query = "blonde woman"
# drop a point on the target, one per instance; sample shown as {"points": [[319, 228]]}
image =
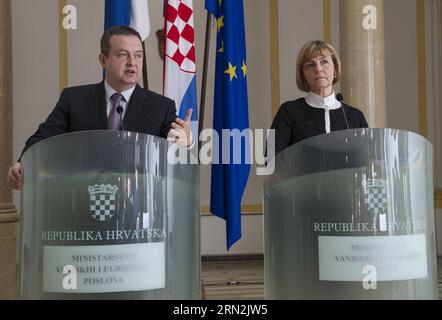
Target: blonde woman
{"points": [[318, 68]]}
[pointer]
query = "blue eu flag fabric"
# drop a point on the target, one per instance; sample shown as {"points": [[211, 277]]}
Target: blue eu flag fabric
{"points": [[229, 176], [116, 12]]}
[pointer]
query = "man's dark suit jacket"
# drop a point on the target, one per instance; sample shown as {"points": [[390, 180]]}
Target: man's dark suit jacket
{"points": [[84, 108]]}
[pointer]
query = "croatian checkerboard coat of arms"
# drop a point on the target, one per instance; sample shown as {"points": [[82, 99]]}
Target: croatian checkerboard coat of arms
{"points": [[102, 201], [375, 198]]}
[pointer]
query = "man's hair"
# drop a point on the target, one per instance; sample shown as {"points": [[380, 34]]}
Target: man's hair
{"points": [[116, 30]]}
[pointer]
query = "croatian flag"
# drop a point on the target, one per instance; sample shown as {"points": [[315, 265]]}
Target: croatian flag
{"points": [[179, 81], [133, 13]]}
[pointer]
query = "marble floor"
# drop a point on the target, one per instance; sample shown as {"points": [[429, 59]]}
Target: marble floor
{"points": [[236, 280], [244, 280]]}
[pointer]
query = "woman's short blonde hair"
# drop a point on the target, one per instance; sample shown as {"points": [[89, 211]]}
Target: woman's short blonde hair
{"points": [[308, 51]]}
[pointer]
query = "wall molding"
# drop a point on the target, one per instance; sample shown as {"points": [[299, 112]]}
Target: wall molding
{"points": [[438, 198], [434, 80], [62, 48], [246, 210], [257, 209], [327, 21], [274, 56], [422, 92]]}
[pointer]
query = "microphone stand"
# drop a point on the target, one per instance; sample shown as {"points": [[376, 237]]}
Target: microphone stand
{"points": [[340, 97]]}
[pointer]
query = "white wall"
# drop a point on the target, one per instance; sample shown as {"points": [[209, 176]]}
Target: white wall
{"points": [[299, 22], [34, 68], [84, 43], [213, 238], [401, 64]]}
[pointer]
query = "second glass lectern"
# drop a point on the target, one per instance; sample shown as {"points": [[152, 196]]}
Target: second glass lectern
{"points": [[350, 215]]}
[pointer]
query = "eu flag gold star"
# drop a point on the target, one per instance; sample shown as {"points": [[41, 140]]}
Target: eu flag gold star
{"points": [[221, 50], [220, 2], [231, 71], [220, 22], [244, 69]]}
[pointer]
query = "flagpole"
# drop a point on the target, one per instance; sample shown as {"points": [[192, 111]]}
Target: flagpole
{"points": [[145, 79], [204, 80]]}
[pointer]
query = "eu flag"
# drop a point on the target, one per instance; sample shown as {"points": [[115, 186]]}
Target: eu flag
{"points": [[117, 12], [229, 176]]}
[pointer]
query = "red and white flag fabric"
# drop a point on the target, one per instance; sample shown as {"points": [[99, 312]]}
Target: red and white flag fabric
{"points": [[179, 81]]}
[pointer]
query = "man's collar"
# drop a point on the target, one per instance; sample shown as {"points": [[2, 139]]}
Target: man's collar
{"points": [[109, 91]]}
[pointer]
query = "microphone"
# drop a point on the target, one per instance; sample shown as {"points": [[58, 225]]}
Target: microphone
{"points": [[340, 97], [120, 112]]}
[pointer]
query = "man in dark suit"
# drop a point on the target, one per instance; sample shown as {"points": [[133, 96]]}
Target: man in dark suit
{"points": [[94, 107]]}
